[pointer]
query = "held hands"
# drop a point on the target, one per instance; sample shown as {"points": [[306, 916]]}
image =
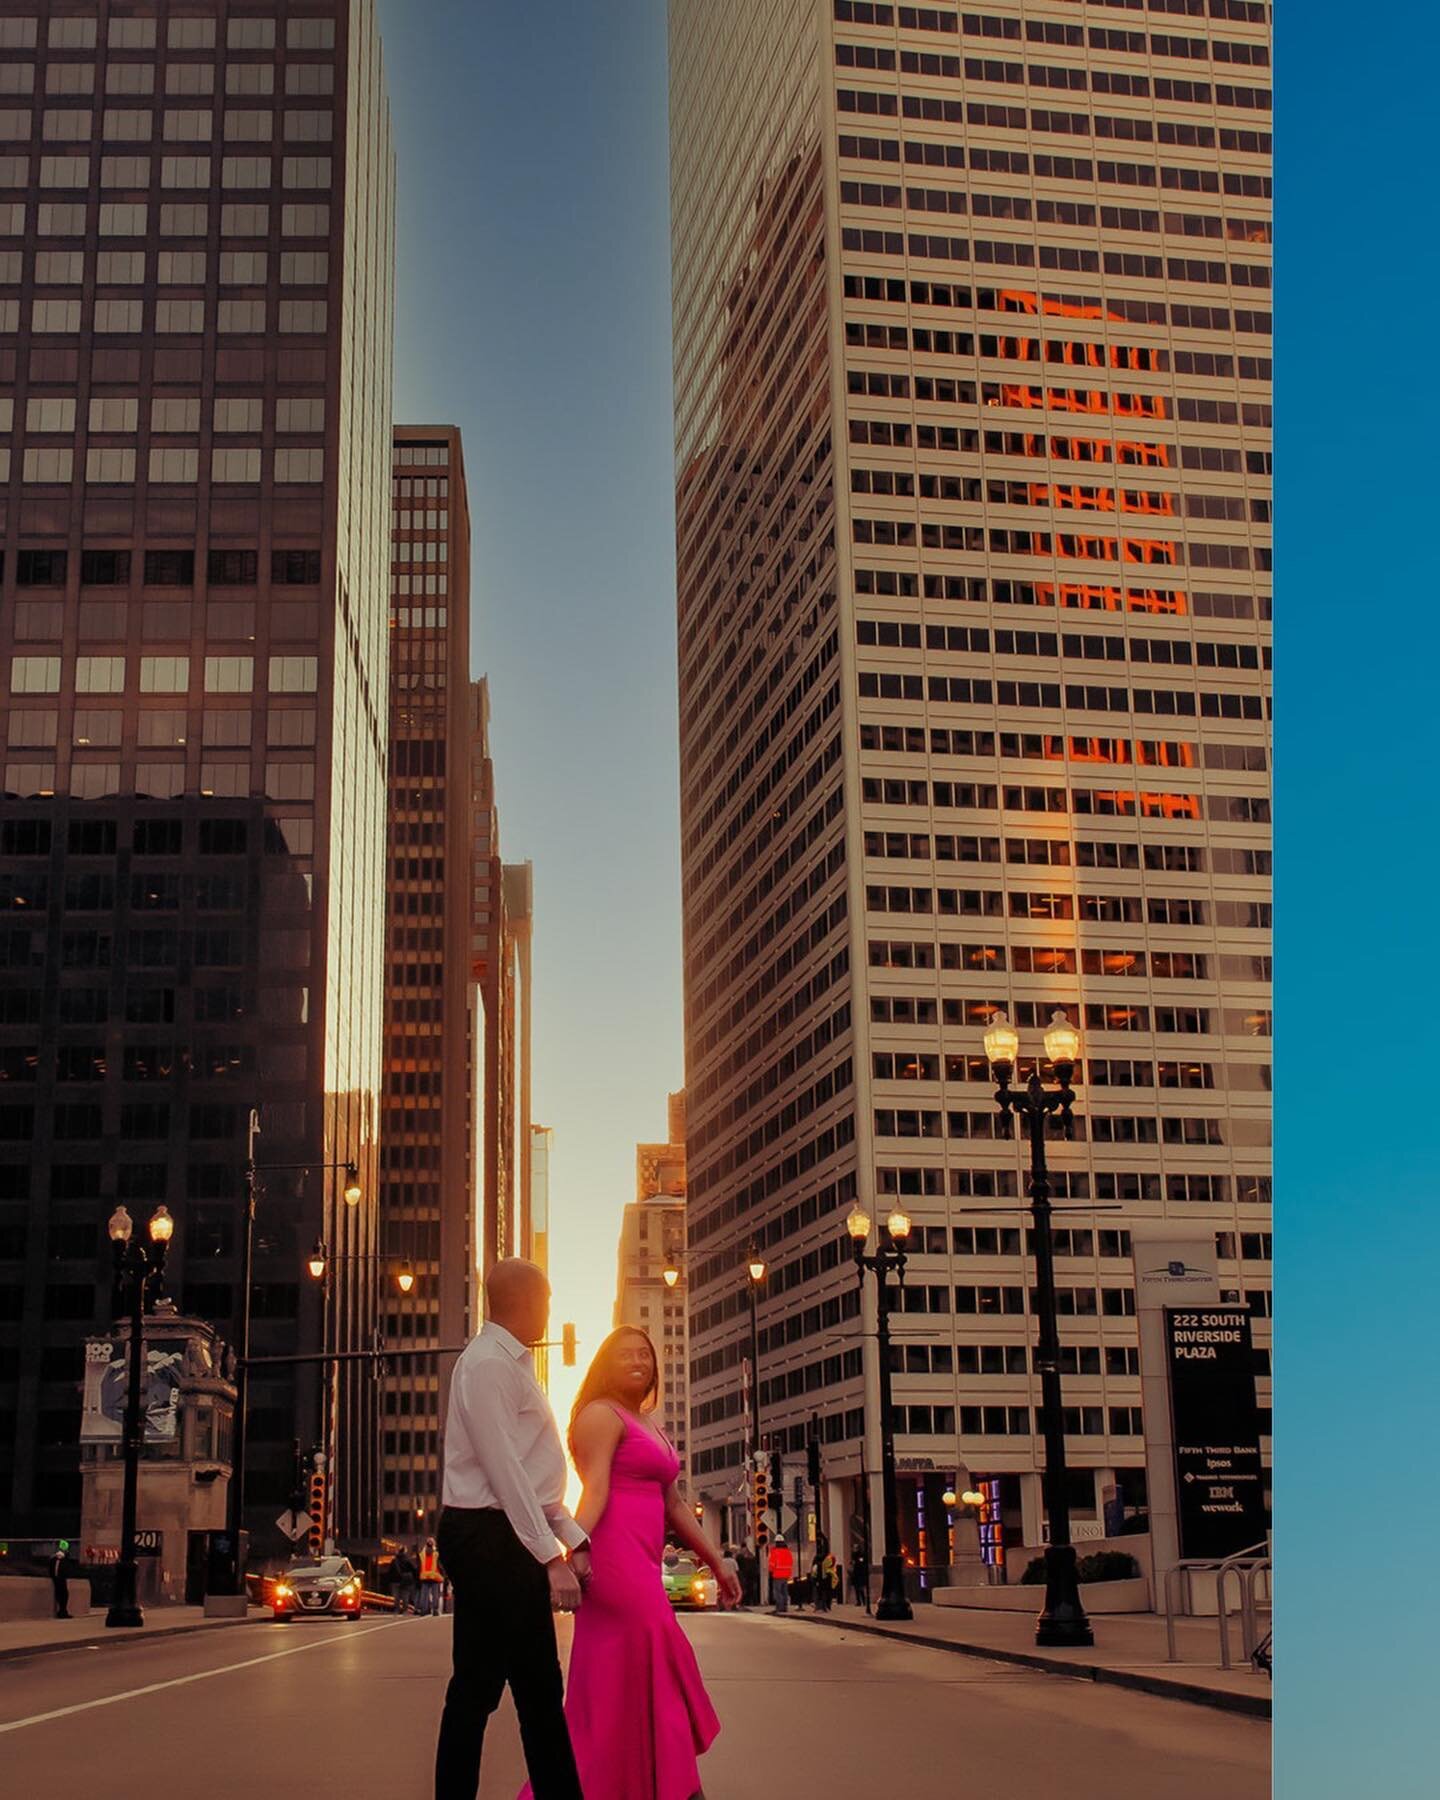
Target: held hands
{"points": [[580, 1563], [564, 1586]]}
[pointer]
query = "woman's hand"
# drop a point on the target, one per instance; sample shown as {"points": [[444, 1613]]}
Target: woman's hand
{"points": [[728, 1583]]}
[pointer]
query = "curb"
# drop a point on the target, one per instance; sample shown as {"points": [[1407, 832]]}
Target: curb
{"points": [[1255, 1706], [146, 1634]]}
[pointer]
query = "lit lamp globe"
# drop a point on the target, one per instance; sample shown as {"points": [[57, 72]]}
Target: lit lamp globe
{"points": [[1002, 1042], [352, 1185], [1062, 1041], [898, 1224], [670, 1275], [971, 1498], [162, 1226], [121, 1226], [405, 1279], [315, 1262], [857, 1223], [756, 1267], [947, 1499]]}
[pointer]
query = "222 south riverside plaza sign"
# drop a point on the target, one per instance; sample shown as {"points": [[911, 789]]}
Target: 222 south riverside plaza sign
{"points": [[1218, 1475]]}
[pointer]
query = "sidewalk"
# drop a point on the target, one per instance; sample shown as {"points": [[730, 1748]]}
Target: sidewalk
{"points": [[1129, 1650], [37, 1637]]}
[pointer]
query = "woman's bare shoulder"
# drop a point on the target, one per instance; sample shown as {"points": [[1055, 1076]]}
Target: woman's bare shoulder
{"points": [[598, 1422]]}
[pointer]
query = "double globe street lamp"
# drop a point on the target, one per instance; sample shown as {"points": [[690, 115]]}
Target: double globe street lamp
{"points": [[1062, 1620], [139, 1267], [889, 1254], [320, 1258]]}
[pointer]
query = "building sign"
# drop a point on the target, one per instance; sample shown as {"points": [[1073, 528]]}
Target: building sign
{"points": [[1219, 1481], [107, 1381]]}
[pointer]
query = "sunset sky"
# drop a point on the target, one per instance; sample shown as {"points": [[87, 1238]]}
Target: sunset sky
{"points": [[534, 313]]}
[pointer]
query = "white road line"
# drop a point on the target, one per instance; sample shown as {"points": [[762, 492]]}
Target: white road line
{"points": [[156, 1687]]}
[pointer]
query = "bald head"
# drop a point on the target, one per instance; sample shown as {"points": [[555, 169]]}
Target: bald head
{"points": [[517, 1297]]}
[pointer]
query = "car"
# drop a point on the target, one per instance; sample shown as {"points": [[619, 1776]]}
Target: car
{"points": [[328, 1589], [687, 1584]]}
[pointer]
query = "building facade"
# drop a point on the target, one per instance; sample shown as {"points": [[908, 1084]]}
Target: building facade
{"points": [[972, 461], [196, 318], [652, 1241], [428, 1224]]}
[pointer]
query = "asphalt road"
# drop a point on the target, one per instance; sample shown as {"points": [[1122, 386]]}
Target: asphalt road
{"points": [[330, 1709]]}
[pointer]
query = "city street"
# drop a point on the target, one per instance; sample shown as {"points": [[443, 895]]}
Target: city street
{"points": [[341, 1709]]}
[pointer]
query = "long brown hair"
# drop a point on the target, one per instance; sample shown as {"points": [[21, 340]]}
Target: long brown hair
{"points": [[602, 1381]]}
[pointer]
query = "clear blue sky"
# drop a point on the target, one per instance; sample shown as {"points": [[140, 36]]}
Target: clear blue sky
{"points": [[534, 312]]}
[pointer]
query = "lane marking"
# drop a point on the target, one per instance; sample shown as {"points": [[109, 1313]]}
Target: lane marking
{"points": [[156, 1687]]}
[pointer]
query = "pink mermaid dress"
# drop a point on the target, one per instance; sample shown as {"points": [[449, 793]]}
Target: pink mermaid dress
{"points": [[635, 1703]]}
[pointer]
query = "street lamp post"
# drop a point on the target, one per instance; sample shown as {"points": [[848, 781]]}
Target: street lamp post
{"points": [[889, 1254], [755, 1273], [137, 1271], [235, 1507], [1062, 1620]]}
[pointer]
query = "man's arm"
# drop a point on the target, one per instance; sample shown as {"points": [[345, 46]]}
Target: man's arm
{"points": [[487, 1407]]}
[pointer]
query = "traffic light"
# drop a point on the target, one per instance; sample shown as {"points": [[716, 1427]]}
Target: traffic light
{"points": [[812, 1462], [317, 1513], [567, 1346], [759, 1501]]}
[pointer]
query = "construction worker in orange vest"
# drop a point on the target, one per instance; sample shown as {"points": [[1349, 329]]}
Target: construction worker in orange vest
{"points": [[431, 1580], [782, 1569]]}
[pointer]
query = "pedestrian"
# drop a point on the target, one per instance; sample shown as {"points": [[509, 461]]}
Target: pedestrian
{"points": [[503, 1539], [749, 1567], [59, 1579], [860, 1580], [404, 1573], [431, 1580], [827, 1580], [782, 1571]]}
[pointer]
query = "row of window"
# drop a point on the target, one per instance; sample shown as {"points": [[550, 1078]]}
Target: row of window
{"points": [[75, 125], [1044, 31], [1052, 212], [1096, 909], [163, 674], [176, 173], [246, 33], [173, 268], [1099, 1128], [291, 467], [924, 1065], [1085, 596], [1193, 1021], [1080, 1184], [1066, 77], [292, 318], [163, 568], [175, 219], [121, 413], [1018, 118], [922, 153], [1086, 853]]}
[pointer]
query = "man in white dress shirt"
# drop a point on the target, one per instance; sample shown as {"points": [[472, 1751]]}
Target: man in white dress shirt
{"points": [[504, 1534]]}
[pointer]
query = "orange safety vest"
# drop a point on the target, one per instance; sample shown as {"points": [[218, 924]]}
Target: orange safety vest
{"points": [[782, 1563], [429, 1565]]}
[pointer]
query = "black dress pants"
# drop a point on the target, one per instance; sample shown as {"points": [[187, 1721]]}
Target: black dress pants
{"points": [[504, 1633]]}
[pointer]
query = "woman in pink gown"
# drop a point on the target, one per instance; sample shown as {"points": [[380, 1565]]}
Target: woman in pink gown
{"points": [[636, 1705]]}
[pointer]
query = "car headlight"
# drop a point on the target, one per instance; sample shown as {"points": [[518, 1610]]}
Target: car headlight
{"points": [[283, 1591]]}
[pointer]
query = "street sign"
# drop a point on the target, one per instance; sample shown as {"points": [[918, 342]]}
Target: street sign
{"points": [[147, 1543], [294, 1525], [1219, 1479]]}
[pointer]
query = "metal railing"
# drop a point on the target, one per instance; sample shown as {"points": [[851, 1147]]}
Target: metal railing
{"points": [[1247, 1566]]}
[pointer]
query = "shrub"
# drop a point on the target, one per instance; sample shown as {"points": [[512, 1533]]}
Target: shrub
{"points": [[1105, 1565]]}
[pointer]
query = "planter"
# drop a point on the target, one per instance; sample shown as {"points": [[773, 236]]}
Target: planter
{"points": [[1097, 1597]]}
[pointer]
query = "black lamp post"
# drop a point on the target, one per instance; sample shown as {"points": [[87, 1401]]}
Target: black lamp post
{"points": [[889, 1254], [755, 1272], [235, 1508], [138, 1268], [1062, 1620]]}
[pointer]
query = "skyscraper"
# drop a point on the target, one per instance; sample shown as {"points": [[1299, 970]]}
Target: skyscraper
{"points": [[652, 1242], [972, 455], [428, 1167], [196, 263]]}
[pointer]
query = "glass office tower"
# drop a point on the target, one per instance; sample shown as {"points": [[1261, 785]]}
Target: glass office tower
{"points": [[196, 317]]}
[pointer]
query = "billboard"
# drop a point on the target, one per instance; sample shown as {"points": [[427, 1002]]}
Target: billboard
{"points": [[107, 1383]]}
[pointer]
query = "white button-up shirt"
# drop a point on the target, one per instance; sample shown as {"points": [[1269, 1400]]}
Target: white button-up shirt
{"points": [[502, 1448]]}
